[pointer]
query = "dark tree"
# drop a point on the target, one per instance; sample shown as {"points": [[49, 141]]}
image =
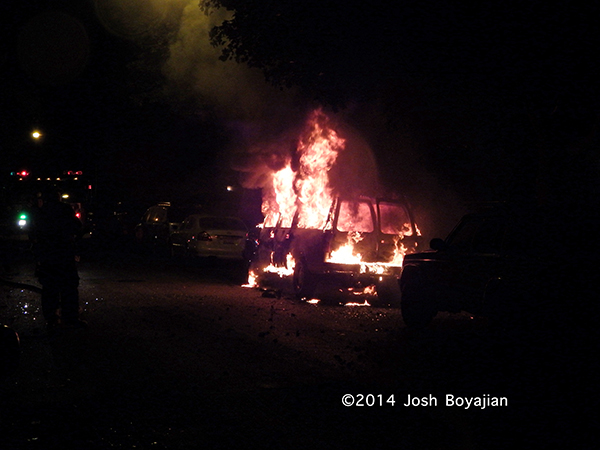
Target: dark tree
{"points": [[480, 85], [335, 51]]}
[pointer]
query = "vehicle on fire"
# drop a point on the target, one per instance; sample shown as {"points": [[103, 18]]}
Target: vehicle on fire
{"points": [[210, 236], [360, 245], [491, 264]]}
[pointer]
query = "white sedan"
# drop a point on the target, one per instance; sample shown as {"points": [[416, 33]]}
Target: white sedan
{"points": [[210, 236]]}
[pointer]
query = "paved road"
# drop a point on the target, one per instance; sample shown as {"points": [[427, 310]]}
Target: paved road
{"points": [[181, 356]]}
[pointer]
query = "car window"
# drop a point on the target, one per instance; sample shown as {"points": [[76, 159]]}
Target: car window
{"points": [[157, 215], [288, 219], [271, 220], [178, 214], [355, 216], [478, 235], [461, 238], [188, 224], [394, 219], [488, 237]]}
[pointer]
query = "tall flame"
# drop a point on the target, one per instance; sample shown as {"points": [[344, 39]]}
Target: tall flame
{"points": [[307, 188], [318, 152]]}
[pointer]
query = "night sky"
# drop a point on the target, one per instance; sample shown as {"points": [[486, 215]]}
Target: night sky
{"points": [[481, 102]]}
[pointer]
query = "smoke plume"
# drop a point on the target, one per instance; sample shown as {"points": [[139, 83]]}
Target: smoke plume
{"points": [[263, 122]]}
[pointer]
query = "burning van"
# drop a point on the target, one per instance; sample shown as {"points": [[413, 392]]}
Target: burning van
{"points": [[361, 245], [319, 228]]}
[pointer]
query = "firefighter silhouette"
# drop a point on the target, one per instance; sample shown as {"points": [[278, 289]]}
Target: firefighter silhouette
{"points": [[56, 230]]}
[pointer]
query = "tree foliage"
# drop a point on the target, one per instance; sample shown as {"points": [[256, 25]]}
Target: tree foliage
{"points": [[497, 62], [339, 51], [328, 48]]}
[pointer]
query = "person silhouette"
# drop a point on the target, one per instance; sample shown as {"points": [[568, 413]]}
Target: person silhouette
{"points": [[55, 232]]}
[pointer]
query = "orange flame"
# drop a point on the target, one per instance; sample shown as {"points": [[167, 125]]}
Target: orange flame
{"points": [[318, 152], [306, 189], [345, 254]]}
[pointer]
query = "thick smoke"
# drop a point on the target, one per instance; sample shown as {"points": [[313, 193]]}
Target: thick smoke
{"points": [[192, 68], [263, 122]]}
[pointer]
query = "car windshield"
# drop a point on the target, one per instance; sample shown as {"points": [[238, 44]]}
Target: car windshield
{"points": [[461, 238], [394, 219], [156, 214], [221, 223]]}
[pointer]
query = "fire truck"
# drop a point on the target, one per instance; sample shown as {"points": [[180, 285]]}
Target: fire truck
{"points": [[18, 196]]}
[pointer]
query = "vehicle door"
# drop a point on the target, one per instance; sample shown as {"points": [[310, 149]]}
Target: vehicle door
{"points": [[397, 233], [471, 259], [156, 222], [183, 235], [266, 240], [355, 225], [282, 237]]}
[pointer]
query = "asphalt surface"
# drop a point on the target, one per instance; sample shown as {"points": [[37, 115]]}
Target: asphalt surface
{"points": [[181, 356]]}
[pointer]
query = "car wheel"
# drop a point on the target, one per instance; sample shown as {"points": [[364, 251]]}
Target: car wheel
{"points": [[418, 310], [305, 282]]}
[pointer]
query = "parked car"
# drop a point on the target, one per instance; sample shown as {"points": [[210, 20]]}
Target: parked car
{"points": [[210, 236], [495, 263], [159, 221], [114, 222], [376, 229]]}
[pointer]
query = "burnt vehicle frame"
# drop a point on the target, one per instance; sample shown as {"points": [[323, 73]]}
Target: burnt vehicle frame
{"points": [[311, 249]]}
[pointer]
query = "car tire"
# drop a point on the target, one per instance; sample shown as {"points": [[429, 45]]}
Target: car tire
{"points": [[418, 310], [305, 282]]}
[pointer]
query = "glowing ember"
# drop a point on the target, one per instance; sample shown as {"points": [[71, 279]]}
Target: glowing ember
{"points": [[370, 290], [365, 303]]}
